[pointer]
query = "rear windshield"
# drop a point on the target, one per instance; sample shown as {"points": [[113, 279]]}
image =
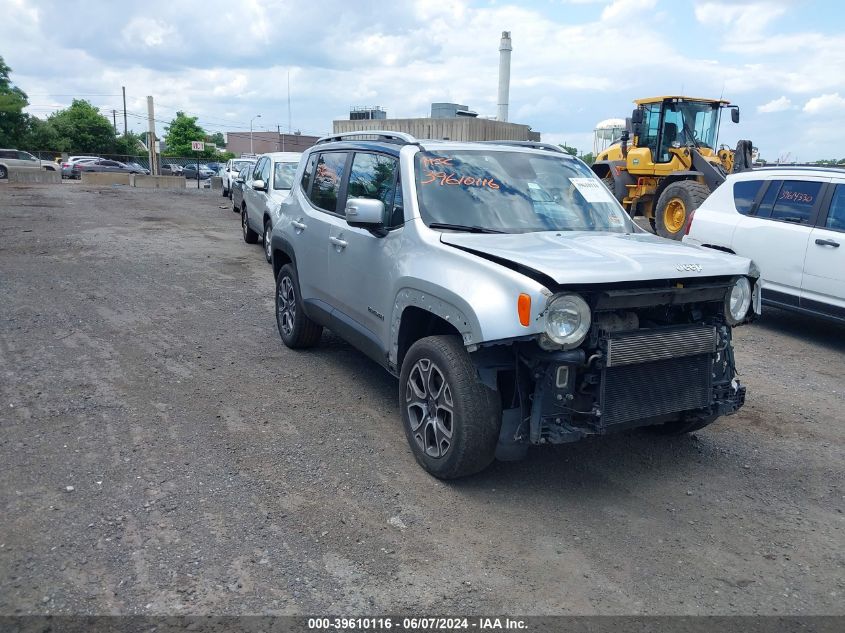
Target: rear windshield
{"points": [[283, 176], [514, 192], [240, 164]]}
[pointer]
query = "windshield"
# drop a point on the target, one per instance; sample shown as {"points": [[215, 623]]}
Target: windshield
{"points": [[283, 175], [238, 165], [514, 192], [695, 123]]}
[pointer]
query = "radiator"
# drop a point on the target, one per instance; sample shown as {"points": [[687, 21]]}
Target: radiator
{"points": [[645, 346]]}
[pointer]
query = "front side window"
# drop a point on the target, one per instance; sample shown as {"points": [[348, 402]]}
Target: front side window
{"points": [[745, 193], [26, 156], [328, 175], [836, 214], [265, 171], [283, 174], [374, 176], [651, 127], [514, 192]]}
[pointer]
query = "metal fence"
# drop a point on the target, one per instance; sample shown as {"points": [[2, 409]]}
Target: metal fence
{"points": [[142, 159]]}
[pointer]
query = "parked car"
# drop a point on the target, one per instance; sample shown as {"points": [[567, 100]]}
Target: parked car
{"points": [[268, 184], [230, 171], [238, 184], [140, 168], [508, 321], [171, 169], [790, 221], [215, 167], [103, 165], [14, 158], [190, 172], [67, 166]]}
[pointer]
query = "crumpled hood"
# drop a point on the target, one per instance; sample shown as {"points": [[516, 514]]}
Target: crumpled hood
{"points": [[591, 257]]}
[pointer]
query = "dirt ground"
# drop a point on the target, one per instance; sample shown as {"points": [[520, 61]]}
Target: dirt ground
{"points": [[163, 452]]}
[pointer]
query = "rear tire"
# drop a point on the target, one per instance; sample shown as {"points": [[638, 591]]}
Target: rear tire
{"points": [[295, 328], [266, 239], [4, 173], [460, 437], [250, 236], [675, 205]]}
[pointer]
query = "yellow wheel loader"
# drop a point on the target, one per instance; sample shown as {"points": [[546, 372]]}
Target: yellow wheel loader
{"points": [[667, 162]]}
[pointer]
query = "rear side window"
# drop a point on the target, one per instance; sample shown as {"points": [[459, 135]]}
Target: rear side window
{"points": [[745, 193], [789, 201], [328, 176], [5, 153], [795, 201], [308, 174]]}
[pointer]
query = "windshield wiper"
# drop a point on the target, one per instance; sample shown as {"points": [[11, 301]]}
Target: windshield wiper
{"points": [[462, 227]]}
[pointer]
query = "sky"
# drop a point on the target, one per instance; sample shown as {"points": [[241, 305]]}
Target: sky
{"points": [[574, 62]]}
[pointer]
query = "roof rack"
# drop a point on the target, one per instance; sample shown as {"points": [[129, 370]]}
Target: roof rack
{"points": [[549, 147], [380, 134]]}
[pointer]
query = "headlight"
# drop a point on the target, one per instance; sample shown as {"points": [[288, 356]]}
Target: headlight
{"points": [[567, 320], [738, 301]]}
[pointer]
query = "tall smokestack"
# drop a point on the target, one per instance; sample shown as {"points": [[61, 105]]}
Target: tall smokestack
{"points": [[505, 49]]}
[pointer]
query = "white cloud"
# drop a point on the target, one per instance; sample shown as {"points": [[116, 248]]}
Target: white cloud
{"points": [[622, 9], [776, 105], [148, 32], [825, 104]]}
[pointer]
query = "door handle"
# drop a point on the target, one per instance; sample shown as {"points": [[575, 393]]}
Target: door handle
{"points": [[821, 242], [341, 244], [298, 225]]}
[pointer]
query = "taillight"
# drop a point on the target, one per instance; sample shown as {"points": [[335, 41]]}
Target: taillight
{"points": [[689, 222]]}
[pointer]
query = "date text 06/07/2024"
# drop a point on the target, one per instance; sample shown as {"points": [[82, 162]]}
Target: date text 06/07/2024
{"points": [[416, 624]]}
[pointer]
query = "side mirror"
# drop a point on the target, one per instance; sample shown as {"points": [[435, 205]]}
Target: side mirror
{"points": [[259, 185], [365, 213], [636, 121], [735, 115]]}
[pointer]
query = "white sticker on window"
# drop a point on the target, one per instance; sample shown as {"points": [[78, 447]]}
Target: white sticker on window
{"points": [[591, 189]]}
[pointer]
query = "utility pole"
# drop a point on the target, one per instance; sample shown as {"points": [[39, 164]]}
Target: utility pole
{"points": [[125, 126], [151, 140], [114, 120], [279, 140]]}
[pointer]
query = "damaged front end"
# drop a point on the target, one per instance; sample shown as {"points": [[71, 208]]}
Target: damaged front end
{"points": [[658, 354]]}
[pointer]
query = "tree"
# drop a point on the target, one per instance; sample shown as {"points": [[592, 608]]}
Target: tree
{"points": [[569, 149], [129, 145], [588, 158], [40, 135], [81, 128], [178, 135], [13, 120], [217, 139]]}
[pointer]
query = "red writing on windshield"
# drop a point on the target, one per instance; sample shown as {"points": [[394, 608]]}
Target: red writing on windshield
{"points": [[796, 196], [429, 161], [448, 178]]}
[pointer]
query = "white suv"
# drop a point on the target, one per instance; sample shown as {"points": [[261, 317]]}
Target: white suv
{"points": [[791, 222], [230, 172], [13, 158]]}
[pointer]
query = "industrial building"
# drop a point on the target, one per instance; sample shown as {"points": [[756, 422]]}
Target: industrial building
{"points": [[262, 142], [451, 121]]}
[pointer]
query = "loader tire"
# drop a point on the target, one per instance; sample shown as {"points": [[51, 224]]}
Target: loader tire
{"points": [[675, 205]]}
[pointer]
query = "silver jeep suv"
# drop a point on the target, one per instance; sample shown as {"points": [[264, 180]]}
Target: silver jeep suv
{"points": [[510, 293]]}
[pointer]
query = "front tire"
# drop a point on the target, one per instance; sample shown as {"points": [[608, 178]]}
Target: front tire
{"points": [[250, 236], [4, 173], [295, 328], [675, 205], [451, 418]]}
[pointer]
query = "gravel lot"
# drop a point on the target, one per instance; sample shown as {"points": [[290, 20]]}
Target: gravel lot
{"points": [[163, 452]]}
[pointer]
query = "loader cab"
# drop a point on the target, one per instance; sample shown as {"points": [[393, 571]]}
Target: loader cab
{"points": [[674, 122]]}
